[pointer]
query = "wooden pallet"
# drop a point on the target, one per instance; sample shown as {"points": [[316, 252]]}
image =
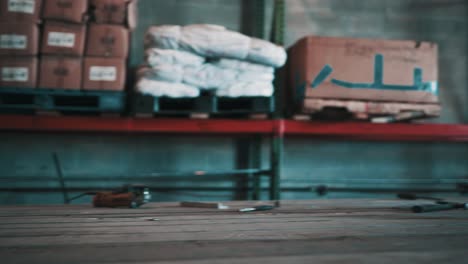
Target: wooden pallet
{"points": [[13, 100], [204, 106], [377, 112]]}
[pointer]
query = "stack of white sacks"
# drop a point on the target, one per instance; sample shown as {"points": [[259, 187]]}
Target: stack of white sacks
{"points": [[182, 61]]}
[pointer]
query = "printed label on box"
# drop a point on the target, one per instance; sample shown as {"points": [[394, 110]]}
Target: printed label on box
{"points": [[21, 6], [15, 74], [13, 41], [99, 73], [60, 39]]}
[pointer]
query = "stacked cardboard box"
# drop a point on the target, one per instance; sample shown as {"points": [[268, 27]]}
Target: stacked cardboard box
{"points": [[366, 76], [81, 55], [19, 42], [63, 43], [107, 44]]}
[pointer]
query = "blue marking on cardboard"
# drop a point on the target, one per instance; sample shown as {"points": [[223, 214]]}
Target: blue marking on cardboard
{"points": [[418, 85], [322, 76]]}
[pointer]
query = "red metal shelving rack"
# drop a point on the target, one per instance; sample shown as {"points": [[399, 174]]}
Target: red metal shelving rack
{"points": [[229, 127], [275, 129], [380, 132], [133, 125], [348, 130]]}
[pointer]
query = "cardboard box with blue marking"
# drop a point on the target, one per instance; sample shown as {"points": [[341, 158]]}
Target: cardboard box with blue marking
{"points": [[104, 74], [59, 72], [110, 41], [19, 39], [63, 39], [66, 10], [20, 11], [18, 72], [364, 70], [115, 12]]}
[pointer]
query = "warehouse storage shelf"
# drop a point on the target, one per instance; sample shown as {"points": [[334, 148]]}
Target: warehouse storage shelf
{"points": [[379, 132], [230, 127], [134, 125], [346, 130], [275, 130]]}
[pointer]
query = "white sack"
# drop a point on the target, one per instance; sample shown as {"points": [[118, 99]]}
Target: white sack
{"points": [[155, 57], [249, 76], [214, 41], [166, 72], [264, 52], [243, 66], [166, 89], [164, 37], [247, 89], [209, 76]]}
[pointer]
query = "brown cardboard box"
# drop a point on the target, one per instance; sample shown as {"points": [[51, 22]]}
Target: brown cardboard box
{"points": [[60, 73], [352, 64], [18, 72], [107, 41], [120, 12], [104, 74], [63, 38], [23, 11], [19, 39], [66, 10]]}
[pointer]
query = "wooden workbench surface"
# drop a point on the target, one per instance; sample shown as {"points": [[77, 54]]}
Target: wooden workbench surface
{"points": [[326, 231]]}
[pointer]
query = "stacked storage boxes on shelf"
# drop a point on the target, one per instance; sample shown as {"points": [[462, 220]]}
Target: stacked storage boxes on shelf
{"points": [[185, 62], [19, 43], [67, 38], [380, 80], [63, 43], [107, 45], [83, 52]]}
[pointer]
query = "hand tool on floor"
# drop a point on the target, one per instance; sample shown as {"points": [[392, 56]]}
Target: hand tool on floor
{"points": [[257, 208], [204, 205], [440, 204], [260, 207], [130, 195]]}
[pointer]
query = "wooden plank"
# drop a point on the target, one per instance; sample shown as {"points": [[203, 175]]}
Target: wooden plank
{"points": [[245, 231], [244, 251], [390, 258], [299, 231], [204, 205], [313, 105], [313, 227]]}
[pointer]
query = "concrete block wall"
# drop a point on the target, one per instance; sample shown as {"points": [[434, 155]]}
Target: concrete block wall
{"points": [[307, 162]]}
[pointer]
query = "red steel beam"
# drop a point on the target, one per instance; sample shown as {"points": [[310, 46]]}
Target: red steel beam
{"points": [[381, 132], [346, 130], [157, 125]]}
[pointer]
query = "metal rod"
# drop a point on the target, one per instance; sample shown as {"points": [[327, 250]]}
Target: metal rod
{"points": [[277, 33], [81, 195], [210, 177], [242, 147], [58, 168], [255, 160], [225, 189], [277, 142], [146, 177]]}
